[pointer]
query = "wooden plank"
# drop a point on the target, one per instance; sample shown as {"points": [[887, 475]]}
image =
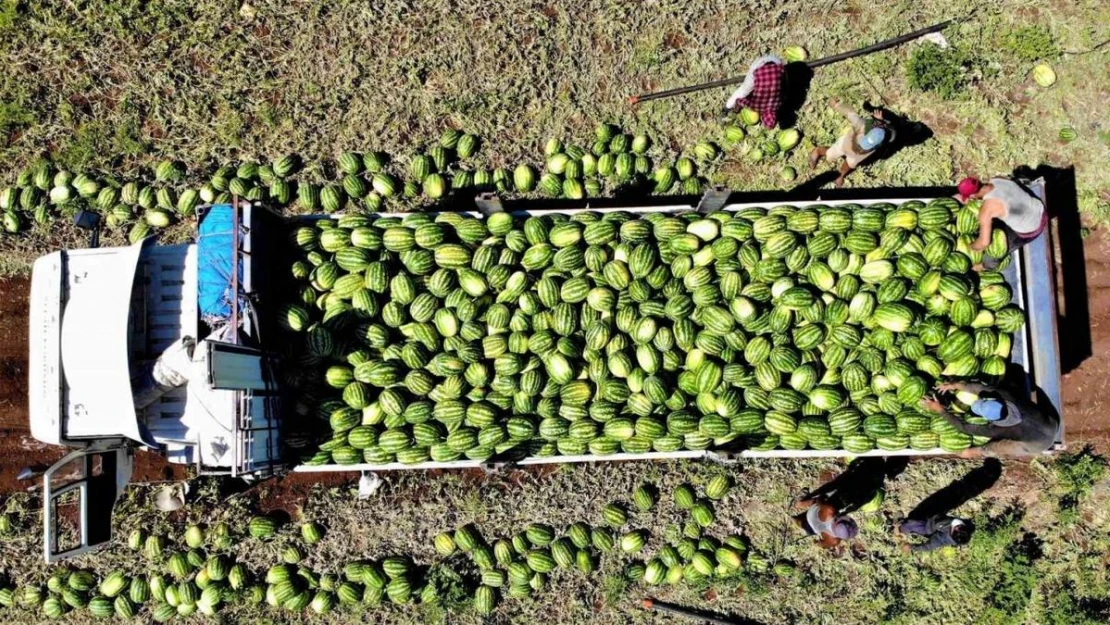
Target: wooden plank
{"points": [[170, 298]]}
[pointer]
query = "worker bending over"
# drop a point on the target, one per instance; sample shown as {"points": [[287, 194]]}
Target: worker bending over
{"points": [[761, 90], [1016, 426], [1010, 206], [824, 522], [938, 530]]}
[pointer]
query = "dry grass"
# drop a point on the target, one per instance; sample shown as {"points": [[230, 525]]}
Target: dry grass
{"points": [[117, 87], [871, 582]]}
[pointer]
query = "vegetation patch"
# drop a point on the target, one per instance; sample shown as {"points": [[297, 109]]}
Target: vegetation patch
{"points": [[1030, 43], [944, 72]]}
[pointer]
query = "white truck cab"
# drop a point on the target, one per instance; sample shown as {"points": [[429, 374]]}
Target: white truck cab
{"points": [[153, 346]]}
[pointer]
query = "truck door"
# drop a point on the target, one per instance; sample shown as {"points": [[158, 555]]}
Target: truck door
{"points": [[79, 492]]}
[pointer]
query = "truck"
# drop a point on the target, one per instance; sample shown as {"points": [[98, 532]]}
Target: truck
{"points": [[172, 348]]}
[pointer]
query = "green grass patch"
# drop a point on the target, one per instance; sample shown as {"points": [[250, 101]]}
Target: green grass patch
{"points": [[1030, 43], [1076, 475], [944, 72]]}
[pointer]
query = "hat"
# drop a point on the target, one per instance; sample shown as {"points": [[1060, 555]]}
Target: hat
{"points": [[872, 139], [845, 528], [989, 409], [968, 187]]}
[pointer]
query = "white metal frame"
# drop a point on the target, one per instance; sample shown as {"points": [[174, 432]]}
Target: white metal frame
{"points": [[85, 500]]}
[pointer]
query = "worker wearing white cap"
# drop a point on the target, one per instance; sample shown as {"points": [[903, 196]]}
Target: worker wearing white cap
{"points": [[824, 522], [858, 143], [1015, 425]]}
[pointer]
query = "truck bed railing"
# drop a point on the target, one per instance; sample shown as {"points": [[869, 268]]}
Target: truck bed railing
{"points": [[1035, 351]]}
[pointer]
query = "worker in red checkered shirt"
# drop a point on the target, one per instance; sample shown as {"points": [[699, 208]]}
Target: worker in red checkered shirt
{"points": [[761, 90]]}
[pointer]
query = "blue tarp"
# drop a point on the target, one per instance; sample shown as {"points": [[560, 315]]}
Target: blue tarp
{"points": [[217, 245]]}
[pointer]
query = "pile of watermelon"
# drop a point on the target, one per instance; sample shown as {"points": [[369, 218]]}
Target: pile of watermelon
{"points": [[440, 337], [181, 582], [374, 181], [200, 574]]}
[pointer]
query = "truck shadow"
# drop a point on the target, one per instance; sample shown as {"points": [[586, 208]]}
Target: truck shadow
{"points": [[1066, 241]]}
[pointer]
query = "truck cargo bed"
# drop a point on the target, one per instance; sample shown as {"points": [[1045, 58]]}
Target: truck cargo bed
{"points": [[1035, 351]]}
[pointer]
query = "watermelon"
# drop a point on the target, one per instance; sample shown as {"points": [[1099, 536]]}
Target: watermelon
{"points": [[435, 186], [787, 139], [101, 607], [449, 138], [718, 487], [794, 54], [614, 515], [467, 146], [421, 166], [262, 527], [894, 317], [633, 542], [706, 151], [1044, 75], [749, 116], [664, 178]]}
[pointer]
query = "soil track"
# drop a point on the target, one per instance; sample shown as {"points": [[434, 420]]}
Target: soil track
{"points": [[1085, 390], [13, 353]]}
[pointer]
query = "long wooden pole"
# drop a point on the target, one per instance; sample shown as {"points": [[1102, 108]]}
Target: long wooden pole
{"points": [[882, 45]]}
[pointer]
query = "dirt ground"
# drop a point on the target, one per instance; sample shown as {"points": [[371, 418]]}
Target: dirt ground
{"points": [[13, 353], [1085, 391]]}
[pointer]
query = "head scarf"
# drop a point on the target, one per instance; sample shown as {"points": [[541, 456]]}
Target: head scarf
{"points": [[968, 187]]}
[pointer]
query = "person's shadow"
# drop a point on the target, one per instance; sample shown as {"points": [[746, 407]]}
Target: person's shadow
{"points": [[796, 89], [959, 492], [907, 133], [859, 483]]}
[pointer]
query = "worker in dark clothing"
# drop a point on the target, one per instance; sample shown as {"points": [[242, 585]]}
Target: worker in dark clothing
{"points": [[940, 530], [762, 90], [1016, 426]]}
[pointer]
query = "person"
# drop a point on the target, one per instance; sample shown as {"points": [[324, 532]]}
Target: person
{"points": [[858, 143], [902, 132], [939, 530], [823, 521], [1016, 426], [1007, 203], [762, 90]]}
